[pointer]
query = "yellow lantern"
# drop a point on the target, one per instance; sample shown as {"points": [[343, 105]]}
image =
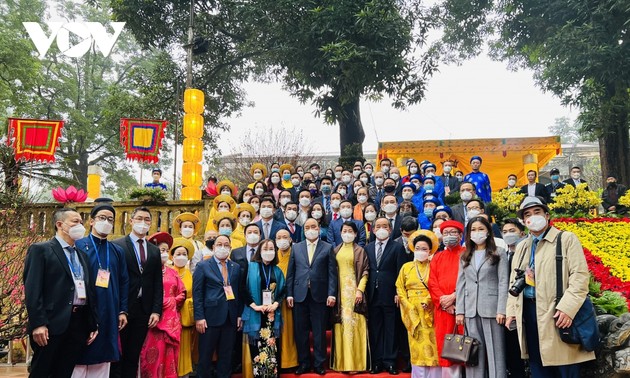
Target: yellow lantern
{"points": [[193, 125], [191, 175], [191, 193], [193, 149], [193, 101]]}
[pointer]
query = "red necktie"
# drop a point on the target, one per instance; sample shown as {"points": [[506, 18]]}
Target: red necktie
{"points": [[335, 216], [292, 227], [143, 254]]}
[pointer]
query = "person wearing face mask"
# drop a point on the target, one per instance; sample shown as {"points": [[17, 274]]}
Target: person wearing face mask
{"points": [[205, 252], [262, 318], [349, 351], [576, 178], [389, 187], [161, 350], [258, 172], [325, 188], [288, 348], [311, 288], [227, 188], [286, 171], [459, 175], [245, 213], [426, 217], [314, 170], [290, 218], [335, 202], [274, 185], [466, 193], [448, 179], [416, 307], [535, 310], [144, 266], [611, 194], [555, 183], [480, 179], [342, 189], [511, 181], [442, 284], [187, 225], [220, 204], [483, 273], [394, 174], [369, 169], [156, 173], [534, 188], [407, 193], [60, 299], [376, 190], [105, 260], [385, 165], [267, 223], [385, 257], [408, 226], [305, 199], [476, 208], [431, 183], [345, 215], [217, 289], [318, 213], [337, 173], [226, 224], [435, 227], [362, 198], [413, 168], [370, 213], [389, 209]]}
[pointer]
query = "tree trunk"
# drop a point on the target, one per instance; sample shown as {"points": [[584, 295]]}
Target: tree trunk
{"points": [[351, 134], [614, 143]]}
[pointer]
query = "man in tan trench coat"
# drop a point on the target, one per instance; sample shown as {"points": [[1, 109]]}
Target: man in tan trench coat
{"points": [[534, 310]]}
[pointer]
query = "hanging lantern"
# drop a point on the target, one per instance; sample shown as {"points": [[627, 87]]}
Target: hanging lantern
{"points": [[193, 101], [193, 125], [191, 175], [193, 149], [191, 193]]}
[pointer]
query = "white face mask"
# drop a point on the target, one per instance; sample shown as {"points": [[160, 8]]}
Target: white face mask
{"points": [[284, 201], [164, 257], [346, 179], [205, 252], [385, 168], [257, 176], [342, 192], [304, 201], [140, 228], [407, 195], [244, 221], [180, 261], [246, 199], [362, 199], [291, 215], [421, 256], [187, 232], [252, 238], [221, 253], [295, 182], [259, 191], [337, 175], [413, 170], [348, 237], [478, 237], [437, 232], [226, 192], [335, 204], [283, 244], [378, 181], [395, 176], [311, 234], [356, 173], [266, 212], [103, 227], [382, 234], [364, 180], [390, 208], [370, 216], [369, 171], [473, 213], [511, 238], [466, 196], [255, 206], [267, 255], [511, 182], [314, 172], [536, 223], [447, 169], [316, 214], [275, 180], [345, 212]]}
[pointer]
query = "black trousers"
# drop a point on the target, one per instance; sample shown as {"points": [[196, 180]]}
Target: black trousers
{"points": [[402, 341], [57, 359], [131, 341], [221, 340], [310, 316], [515, 365], [382, 332]]}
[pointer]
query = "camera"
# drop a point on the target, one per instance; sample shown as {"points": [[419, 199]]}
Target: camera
{"points": [[519, 283]]}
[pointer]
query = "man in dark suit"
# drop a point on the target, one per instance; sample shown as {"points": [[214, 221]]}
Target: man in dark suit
{"points": [[60, 299], [267, 224], [334, 230], [217, 285], [576, 174], [290, 220], [385, 257], [555, 183], [533, 188], [467, 191], [144, 266], [311, 287], [389, 206], [449, 181]]}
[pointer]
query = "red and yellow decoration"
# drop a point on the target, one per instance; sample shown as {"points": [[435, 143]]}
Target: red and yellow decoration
{"points": [[193, 145], [142, 139], [34, 139], [606, 243]]}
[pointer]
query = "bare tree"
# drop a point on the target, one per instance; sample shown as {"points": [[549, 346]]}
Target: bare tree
{"points": [[266, 146]]}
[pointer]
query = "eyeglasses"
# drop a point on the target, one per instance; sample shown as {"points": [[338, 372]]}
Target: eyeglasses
{"points": [[141, 219], [102, 218], [451, 233]]}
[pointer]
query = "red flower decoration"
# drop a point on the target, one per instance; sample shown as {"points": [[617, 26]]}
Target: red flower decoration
{"points": [[71, 194]]}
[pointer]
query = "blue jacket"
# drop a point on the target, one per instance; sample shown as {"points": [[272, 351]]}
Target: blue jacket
{"points": [[209, 300], [334, 232]]}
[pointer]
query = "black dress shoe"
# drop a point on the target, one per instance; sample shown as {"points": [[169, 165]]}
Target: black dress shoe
{"points": [[301, 370], [376, 369], [392, 370], [407, 368], [320, 370]]}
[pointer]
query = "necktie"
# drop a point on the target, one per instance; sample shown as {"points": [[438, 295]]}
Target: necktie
{"points": [[292, 228], [534, 245], [225, 273], [379, 253], [327, 204], [251, 254], [335, 216], [143, 254], [311, 252], [267, 230], [391, 223], [74, 264]]}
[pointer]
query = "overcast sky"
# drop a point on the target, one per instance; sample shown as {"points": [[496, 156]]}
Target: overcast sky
{"points": [[479, 99]]}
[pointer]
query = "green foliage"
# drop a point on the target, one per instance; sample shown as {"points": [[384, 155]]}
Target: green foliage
{"points": [[148, 195], [610, 302], [452, 199]]}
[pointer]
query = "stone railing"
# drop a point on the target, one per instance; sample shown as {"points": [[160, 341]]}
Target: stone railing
{"points": [[40, 215]]}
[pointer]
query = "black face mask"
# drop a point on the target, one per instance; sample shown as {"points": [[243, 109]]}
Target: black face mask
{"points": [[210, 244], [612, 184], [389, 188]]}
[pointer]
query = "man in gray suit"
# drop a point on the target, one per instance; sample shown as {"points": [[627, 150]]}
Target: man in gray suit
{"points": [[311, 286], [467, 192]]}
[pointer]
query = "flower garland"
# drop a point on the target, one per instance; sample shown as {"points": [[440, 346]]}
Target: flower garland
{"points": [[605, 242]]}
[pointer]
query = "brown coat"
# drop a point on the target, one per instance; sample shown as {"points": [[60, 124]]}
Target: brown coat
{"points": [[553, 351], [361, 268]]}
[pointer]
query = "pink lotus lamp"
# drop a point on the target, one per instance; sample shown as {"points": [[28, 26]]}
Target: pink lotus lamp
{"points": [[71, 194]]}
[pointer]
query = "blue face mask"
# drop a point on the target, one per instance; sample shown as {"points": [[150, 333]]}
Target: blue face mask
{"points": [[326, 189], [286, 176], [225, 231], [428, 187], [555, 177], [428, 213], [275, 169]]}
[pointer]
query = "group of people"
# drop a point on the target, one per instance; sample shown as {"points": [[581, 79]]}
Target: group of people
{"points": [[373, 256]]}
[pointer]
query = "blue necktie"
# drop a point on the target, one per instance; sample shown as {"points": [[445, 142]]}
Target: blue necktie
{"points": [[327, 202]]}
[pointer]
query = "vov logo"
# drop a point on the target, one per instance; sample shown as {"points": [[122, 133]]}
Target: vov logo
{"points": [[88, 32]]}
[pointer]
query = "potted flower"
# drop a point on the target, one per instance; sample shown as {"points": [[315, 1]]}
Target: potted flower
{"points": [[148, 196]]}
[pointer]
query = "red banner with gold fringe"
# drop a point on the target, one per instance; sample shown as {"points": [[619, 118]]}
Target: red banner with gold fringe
{"points": [[34, 139], [142, 138]]}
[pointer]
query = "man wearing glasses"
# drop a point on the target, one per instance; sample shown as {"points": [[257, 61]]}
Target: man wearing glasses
{"points": [[144, 267], [106, 263]]}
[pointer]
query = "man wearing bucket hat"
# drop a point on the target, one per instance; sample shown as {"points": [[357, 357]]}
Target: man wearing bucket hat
{"points": [[535, 310]]}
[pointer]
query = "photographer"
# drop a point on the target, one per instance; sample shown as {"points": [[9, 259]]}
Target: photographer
{"points": [[532, 303]]}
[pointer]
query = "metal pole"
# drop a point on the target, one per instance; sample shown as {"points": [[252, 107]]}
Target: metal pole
{"points": [[179, 95], [190, 46]]}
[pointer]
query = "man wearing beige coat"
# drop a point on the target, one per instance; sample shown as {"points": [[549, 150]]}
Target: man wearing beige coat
{"points": [[534, 310]]}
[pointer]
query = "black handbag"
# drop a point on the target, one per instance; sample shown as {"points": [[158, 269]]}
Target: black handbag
{"points": [[583, 329], [461, 349]]}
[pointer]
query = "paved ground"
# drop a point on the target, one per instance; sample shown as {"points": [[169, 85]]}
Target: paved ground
{"points": [[13, 371]]}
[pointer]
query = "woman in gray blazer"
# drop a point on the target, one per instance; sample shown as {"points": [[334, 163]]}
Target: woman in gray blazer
{"points": [[481, 297]]}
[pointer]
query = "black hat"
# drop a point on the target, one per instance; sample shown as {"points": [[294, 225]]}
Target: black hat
{"points": [[158, 170], [102, 206], [554, 171]]}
